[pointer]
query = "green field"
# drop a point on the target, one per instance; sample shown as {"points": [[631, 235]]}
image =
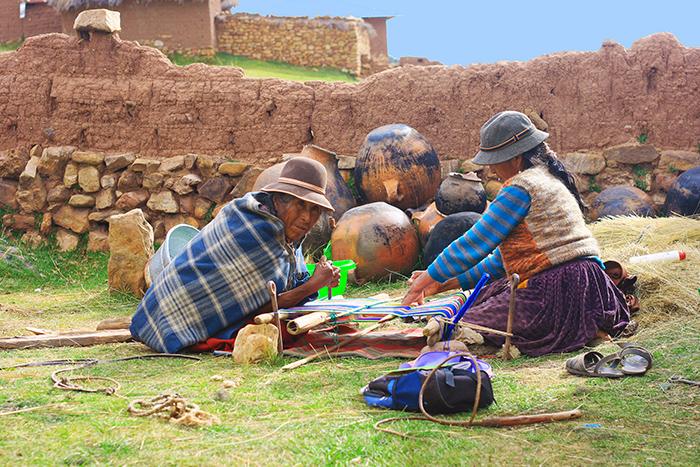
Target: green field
{"points": [[312, 415], [252, 68], [10, 46], [261, 69]]}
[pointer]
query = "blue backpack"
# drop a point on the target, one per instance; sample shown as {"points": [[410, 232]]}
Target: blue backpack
{"points": [[451, 389]]}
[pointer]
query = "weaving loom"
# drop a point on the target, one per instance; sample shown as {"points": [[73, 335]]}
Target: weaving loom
{"points": [[338, 311], [371, 309]]}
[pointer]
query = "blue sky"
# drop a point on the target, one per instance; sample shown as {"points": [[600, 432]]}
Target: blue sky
{"points": [[486, 31]]}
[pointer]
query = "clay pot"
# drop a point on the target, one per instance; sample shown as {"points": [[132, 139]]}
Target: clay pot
{"points": [[425, 221], [379, 238], [337, 191], [461, 193], [622, 200], [684, 195], [447, 231], [397, 165]]}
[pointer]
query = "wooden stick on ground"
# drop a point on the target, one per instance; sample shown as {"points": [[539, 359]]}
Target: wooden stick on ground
{"points": [[515, 280], [433, 327], [272, 288], [529, 419], [75, 339], [351, 338], [114, 323]]}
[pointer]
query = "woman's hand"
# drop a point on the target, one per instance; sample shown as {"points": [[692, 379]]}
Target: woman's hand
{"points": [[422, 285], [325, 274]]}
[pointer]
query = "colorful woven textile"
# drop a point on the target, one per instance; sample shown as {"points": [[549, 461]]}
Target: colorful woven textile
{"points": [[398, 343], [369, 309], [385, 343]]}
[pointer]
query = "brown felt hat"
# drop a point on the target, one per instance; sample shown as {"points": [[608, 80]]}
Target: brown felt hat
{"points": [[305, 179]]}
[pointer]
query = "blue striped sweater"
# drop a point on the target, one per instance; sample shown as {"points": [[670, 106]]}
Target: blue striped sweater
{"points": [[476, 252]]}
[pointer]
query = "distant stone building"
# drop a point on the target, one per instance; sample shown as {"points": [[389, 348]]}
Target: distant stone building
{"points": [[378, 48], [357, 46], [25, 18], [185, 26]]}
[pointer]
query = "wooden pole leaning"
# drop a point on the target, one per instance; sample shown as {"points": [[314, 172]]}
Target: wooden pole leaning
{"points": [[514, 282], [272, 288]]}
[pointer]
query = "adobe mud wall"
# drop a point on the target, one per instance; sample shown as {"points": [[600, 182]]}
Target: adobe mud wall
{"points": [[185, 26], [89, 128], [312, 42], [113, 95], [39, 18]]}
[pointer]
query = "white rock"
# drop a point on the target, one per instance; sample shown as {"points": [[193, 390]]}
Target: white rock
{"points": [[100, 19]]}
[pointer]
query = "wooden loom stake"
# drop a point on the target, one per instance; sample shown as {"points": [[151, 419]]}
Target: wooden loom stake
{"points": [[515, 280], [272, 288]]}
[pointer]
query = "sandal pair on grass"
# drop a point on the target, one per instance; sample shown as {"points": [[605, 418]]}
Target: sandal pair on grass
{"points": [[631, 360]]}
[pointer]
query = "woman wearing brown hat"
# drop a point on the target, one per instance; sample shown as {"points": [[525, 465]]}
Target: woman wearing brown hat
{"points": [[535, 228], [219, 281]]}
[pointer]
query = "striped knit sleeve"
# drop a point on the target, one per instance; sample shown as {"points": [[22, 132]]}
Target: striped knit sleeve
{"points": [[492, 264], [505, 212]]}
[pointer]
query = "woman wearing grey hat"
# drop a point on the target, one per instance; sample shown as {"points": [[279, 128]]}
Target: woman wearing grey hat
{"points": [[535, 228]]}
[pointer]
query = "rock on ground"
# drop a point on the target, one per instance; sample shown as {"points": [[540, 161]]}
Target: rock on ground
{"points": [[130, 247]]}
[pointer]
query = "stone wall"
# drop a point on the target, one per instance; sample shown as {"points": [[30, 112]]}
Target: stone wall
{"points": [[312, 42], [73, 192]]}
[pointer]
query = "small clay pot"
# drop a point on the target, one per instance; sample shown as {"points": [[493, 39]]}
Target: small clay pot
{"points": [[425, 221], [622, 200], [447, 231], [461, 193]]}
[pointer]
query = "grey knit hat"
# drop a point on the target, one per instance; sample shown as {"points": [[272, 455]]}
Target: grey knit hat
{"points": [[506, 135]]}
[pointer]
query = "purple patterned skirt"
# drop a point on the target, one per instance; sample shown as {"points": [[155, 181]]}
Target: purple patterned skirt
{"points": [[559, 310]]}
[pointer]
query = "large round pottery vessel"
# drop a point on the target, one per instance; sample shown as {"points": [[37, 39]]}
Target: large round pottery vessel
{"points": [[622, 201], [425, 221], [684, 195], [447, 231], [397, 165], [379, 238], [461, 193]]}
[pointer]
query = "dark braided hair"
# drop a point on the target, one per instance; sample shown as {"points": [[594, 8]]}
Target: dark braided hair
{"points": [[542, 156]]}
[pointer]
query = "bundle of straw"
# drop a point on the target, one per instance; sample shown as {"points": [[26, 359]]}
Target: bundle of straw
{"points": [[665, 288]]}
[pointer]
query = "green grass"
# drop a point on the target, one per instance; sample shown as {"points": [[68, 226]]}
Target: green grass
{"points": [[640, 173], [261, 69], [314, 415], [10, 46]]}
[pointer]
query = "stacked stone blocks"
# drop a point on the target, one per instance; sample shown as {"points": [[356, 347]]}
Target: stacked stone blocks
{"points": [[73, 192], [341, 43]]}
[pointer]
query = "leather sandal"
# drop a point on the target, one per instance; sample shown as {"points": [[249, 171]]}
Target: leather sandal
{"points": [[635, 360], [595, 365]]}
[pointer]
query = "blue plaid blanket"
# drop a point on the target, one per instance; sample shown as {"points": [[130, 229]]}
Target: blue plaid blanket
{"points": [[220, 277]]}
